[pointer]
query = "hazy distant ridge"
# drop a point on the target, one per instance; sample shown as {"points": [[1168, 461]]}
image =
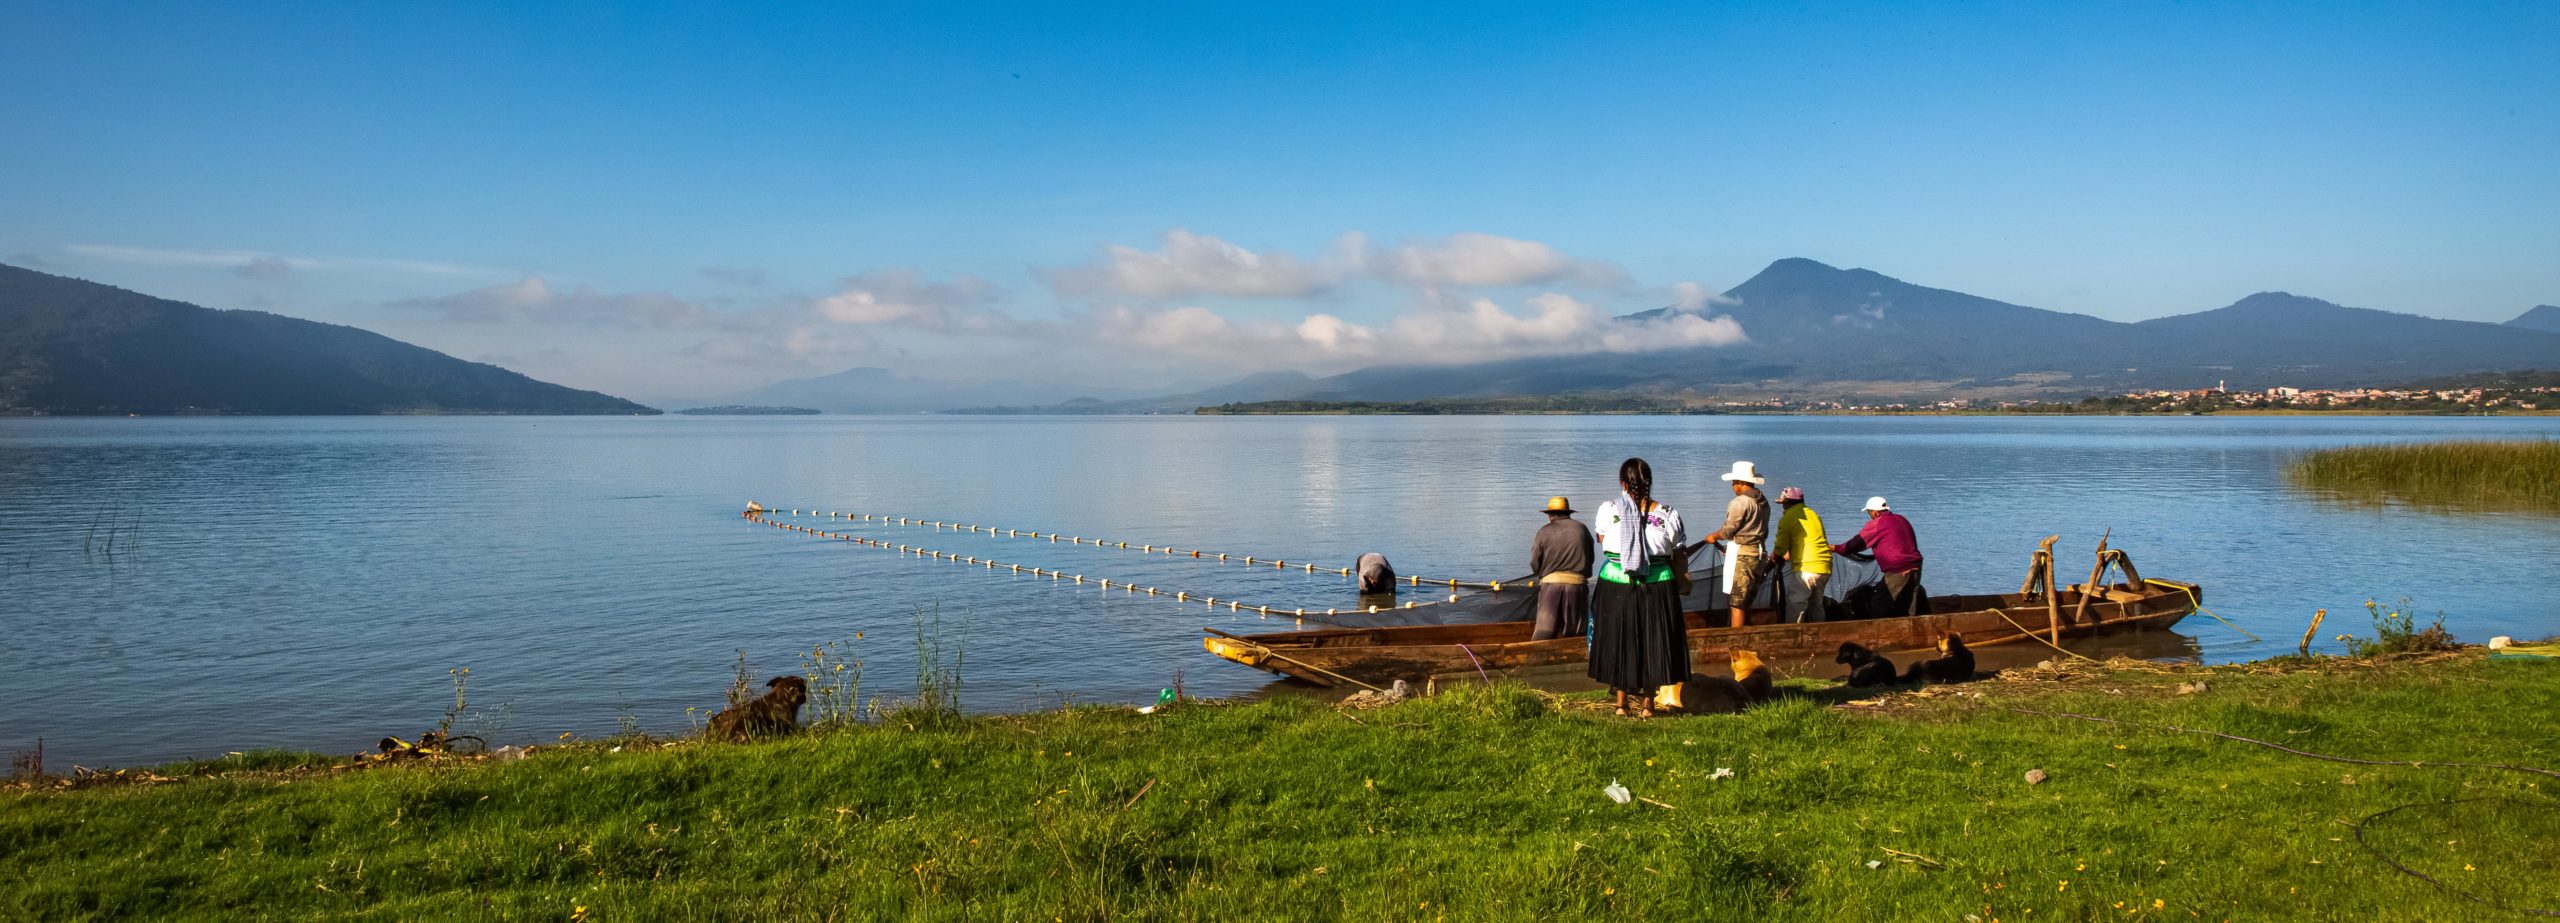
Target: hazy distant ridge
{"points": [[69, 346]]}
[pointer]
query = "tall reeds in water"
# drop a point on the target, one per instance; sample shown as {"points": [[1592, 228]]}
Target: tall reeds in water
{"points": [[2519, 475]]}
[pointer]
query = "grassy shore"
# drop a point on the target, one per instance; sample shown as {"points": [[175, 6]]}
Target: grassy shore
{"points": [[1478, 804], [2512, 475]]}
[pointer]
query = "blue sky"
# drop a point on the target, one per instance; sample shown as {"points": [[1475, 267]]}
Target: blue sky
{"points": [[664, 200]]}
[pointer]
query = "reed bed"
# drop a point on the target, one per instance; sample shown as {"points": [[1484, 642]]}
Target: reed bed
{"points": [[2519, 475]]}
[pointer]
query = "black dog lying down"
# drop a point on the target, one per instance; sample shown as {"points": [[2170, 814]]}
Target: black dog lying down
{"points": [[1866, 667], [775, 713], [1954, 665]]}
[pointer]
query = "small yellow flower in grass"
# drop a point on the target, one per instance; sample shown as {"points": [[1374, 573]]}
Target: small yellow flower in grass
{"points": [[2158, 904], [1604, 892], [2080, 867], [2064, 886], [2467, 867], [1648, 762], [577, 914]]}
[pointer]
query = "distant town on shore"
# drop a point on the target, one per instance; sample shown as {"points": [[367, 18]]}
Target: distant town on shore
{"points": [[2493, 393]]}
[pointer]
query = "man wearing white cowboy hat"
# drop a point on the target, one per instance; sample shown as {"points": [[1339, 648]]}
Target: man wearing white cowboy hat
{"points": [[1746, 525]]}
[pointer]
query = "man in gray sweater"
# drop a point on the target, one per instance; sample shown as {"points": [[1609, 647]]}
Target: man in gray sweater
{"points": [[1560, 562], [1746, 525]]}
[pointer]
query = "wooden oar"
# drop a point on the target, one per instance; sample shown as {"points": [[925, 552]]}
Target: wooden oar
{"points": [[1276, 655]]}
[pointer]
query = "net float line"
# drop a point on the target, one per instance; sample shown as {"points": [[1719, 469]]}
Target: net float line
{"points": [[1129, 587], [1222, 557]]}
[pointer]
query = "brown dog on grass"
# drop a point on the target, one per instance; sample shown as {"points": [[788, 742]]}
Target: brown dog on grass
{"points": [[1754, 676], [773, 714], [1716, 695]]}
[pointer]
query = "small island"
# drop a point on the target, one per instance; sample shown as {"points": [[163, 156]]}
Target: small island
{"points": [[747, 410]]}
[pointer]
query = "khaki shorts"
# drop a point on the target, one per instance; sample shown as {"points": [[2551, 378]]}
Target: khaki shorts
{"points": [[1746, 575]]}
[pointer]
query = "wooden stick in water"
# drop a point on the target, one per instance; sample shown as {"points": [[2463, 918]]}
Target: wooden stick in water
{"points": [[2316, 617]]}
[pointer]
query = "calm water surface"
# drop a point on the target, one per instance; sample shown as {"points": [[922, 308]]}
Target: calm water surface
{"points": [[181, 587]]}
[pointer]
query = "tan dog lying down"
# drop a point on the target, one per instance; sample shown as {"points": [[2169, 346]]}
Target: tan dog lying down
{"points": [[1753, 683]]}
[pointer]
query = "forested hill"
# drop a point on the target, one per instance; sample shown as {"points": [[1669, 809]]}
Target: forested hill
{"points": [[69, 346]]}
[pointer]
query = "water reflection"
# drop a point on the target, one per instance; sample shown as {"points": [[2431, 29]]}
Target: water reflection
{"points": [[335, 568]]}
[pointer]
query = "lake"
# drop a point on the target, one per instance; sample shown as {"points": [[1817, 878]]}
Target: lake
{"points": [[177, 588]]}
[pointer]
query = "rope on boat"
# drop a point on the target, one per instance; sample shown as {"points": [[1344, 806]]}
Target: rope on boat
{"points": [[2199, 605], [1212, 602], [2022, 629], [1223, 557]]}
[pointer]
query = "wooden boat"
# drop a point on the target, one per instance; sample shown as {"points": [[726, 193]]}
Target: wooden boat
{"points": [[1372, 657]]}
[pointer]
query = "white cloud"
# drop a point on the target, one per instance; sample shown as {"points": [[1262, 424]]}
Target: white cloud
{"points": [[778, 332], [262, 264], [906, 298], [532, 298], [1479, 329], [1674, 331], [1690, 296], [264, 269], [1188, 264], [1487, 260], [790, 347]]}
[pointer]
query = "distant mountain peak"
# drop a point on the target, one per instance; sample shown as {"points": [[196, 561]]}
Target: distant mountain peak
{"points": [[2277, 296], [1800, 264], [2543, 317], [78, 347]]}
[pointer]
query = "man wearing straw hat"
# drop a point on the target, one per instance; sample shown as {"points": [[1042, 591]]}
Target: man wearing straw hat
{"points": [[1560, 561], [1746, 525]]}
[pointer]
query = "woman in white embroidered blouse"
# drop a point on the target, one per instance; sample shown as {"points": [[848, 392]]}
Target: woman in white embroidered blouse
{"points": [[1639, 641]]}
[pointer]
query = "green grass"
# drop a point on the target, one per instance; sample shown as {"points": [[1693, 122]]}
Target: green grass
{"points": [[1482, 804], [2487, 476]]}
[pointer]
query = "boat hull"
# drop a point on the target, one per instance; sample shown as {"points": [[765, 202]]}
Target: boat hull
{"points": [[1378, 656]]}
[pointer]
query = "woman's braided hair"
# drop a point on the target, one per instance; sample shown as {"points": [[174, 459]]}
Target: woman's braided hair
{"points": [[1637, 478]]}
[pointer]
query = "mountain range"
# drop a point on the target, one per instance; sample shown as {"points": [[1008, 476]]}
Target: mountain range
{"points": [[1818, 331], [1812, 331], [69, 346]]}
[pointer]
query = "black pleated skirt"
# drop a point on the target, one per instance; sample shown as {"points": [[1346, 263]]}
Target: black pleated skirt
{"points": [[1639, 641]]}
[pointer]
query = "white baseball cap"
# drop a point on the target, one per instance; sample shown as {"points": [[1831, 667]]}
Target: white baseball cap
{"points": [[1877, 503]]}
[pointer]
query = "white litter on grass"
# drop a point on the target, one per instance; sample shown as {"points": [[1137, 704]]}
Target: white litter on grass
{"points": [[1721, 773], [1875, 863], [1149, 710], [1618, 793]]}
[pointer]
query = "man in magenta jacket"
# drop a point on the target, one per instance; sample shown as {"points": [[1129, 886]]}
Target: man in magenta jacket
{"points": [[1897, 552]]}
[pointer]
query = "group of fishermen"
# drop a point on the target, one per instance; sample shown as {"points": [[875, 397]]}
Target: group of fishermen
{"points": [[1561, 556]]}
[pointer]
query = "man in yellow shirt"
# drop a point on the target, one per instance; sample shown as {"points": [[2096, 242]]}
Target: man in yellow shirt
{"points": [[1802, 544]]}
